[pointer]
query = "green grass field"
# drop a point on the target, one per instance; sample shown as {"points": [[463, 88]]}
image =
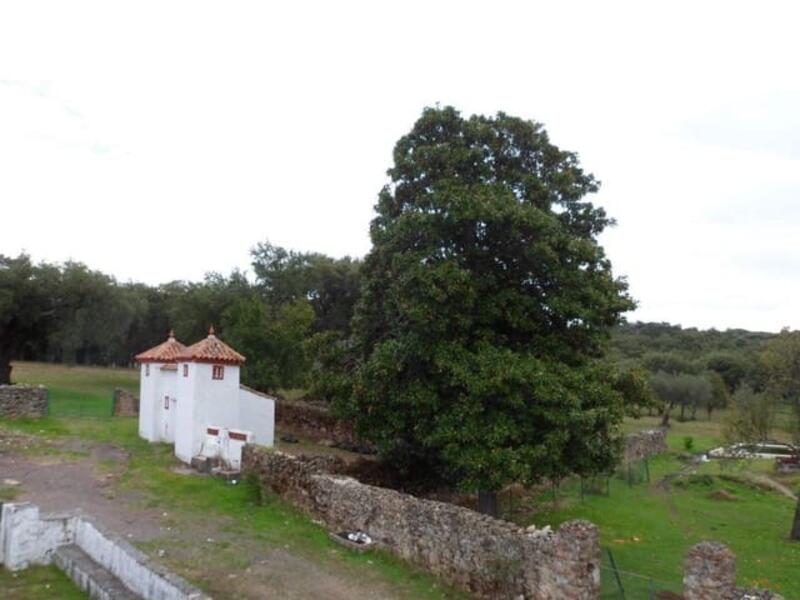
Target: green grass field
{"points": [[648, 527], [77, 391]]}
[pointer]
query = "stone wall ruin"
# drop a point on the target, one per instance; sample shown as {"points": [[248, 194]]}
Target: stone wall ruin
{"points": [[485, 556], [126, 404], [643, 444], [23, 401], [315, 422], [710, 574]]}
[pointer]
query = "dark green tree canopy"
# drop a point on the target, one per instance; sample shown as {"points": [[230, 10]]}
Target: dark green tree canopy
{"points": [[491, 202], [331, 285], [485, 301], [27, 308]]}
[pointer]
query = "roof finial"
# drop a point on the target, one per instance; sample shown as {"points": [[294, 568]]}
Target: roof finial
{"points": [[211, 331], [171, 334]]}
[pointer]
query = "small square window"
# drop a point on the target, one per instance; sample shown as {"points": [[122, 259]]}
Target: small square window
{"points": [[185, 370], [147, 370], [218, 372]]}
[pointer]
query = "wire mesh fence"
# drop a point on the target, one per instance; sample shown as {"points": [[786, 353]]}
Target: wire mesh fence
{"points": [[618, 583], [79, 405], [633, 473]]}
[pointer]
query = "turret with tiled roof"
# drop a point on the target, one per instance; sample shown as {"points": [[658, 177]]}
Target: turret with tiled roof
{"points": [[211, 350], [166, 352]]}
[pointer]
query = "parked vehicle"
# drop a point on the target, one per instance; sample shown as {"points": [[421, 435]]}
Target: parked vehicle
{"points": [[776, 450]]}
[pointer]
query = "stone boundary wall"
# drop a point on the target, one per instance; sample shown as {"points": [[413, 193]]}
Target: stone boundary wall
{"points": [[710, 574], [28, 538], [485, 556], [314, 422], [17, 401], [126, 404], [643, 444]]}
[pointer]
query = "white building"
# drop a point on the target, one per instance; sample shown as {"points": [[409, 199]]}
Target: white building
{"points": [[191, 397]]}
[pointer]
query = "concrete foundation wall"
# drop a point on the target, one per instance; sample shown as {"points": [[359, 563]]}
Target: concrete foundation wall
{"points": [[28, 538], [130, 566]]}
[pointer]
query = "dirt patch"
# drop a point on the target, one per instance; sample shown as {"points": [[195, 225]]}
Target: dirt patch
{"points": [[58, 483], [723, 495], [218, 554]]}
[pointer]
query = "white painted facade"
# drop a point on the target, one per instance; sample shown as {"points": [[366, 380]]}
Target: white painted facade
{"points": [[28, 537], [158, 384], [180, 401]]}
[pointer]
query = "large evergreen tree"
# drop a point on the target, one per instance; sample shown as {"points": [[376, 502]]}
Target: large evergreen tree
{"points": [[486, 300]]}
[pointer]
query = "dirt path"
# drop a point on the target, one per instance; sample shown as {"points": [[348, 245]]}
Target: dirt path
{"points": [[772, 484], [60, 482], [215, 553]]}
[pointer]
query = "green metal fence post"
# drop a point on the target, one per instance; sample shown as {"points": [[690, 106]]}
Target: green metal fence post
{"points": [[616, 573]]}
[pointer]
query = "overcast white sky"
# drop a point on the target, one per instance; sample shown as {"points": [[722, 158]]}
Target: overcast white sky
{"points": [[158, 141]]}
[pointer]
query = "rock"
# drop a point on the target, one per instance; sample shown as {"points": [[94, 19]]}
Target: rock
{"points": [[11, 482]]}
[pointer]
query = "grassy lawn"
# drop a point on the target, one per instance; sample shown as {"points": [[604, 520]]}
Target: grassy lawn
{"points": [[38, 583], [649, 527], [77, 391], [264, 523]]}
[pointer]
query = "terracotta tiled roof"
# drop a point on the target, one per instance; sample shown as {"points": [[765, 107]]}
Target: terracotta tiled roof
{"points": [[164, 352], [211, 350]]}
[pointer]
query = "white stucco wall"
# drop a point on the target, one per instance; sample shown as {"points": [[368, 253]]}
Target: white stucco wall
{"points": [[165, 419], [184, 434], [257, 415], [28, 538], [148, 393], [203, 402], [216, 401], [131, 566]]}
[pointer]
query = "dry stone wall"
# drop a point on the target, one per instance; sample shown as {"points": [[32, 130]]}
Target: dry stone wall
{"points": [[710, 574], [487, 557], [642, 444], [313, 422], [126, 404], [17, 401]]}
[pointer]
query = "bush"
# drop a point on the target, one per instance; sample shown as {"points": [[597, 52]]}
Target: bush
{"points": [[688, 443]]}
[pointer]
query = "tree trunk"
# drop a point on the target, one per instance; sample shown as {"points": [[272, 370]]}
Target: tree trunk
{"points": [[487, 503], [665, 416], [795, 535], [5, 371], [683, 410]]}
